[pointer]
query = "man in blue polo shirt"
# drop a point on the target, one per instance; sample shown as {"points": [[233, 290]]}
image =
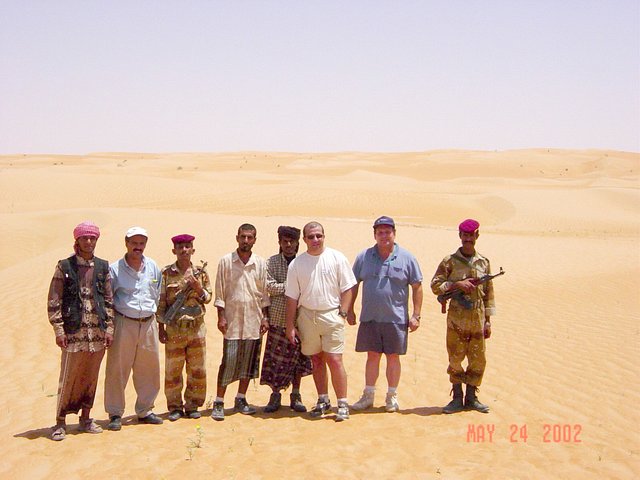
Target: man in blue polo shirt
{"points": [[135, 280], [386, 271]]}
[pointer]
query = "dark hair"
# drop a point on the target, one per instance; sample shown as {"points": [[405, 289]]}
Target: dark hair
{"points": [[247, 226], [311, 225]]}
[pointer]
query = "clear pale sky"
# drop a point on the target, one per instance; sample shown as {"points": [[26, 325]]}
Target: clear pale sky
{"points": [[310, 76]]}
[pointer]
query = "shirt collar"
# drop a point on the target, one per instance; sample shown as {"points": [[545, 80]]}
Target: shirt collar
{"points": [[472, 259], [142, 265], [236, 258], [392, 256], [174, 267], [82, 261]]}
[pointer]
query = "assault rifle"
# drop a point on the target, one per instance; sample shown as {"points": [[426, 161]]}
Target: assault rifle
{"points": [[457, 294], [181, 297]]}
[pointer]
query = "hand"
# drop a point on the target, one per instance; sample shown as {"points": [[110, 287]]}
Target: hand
{"points": [[108, 340], [162, 335], [193, 283], [487, 329], [61, 341], [292, 336], [414, 323], [466, 285], [351, 318], [264, 325], [222, 325], [189, 278]]}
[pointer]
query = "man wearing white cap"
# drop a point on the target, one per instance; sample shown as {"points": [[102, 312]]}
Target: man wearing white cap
{"points": [[136, 291]]}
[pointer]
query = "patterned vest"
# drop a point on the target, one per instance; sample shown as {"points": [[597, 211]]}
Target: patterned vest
{"points": [[71, 300]]}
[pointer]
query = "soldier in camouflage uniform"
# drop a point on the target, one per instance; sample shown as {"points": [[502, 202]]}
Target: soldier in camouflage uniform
{"points": [[469, 320], [184, 334]]}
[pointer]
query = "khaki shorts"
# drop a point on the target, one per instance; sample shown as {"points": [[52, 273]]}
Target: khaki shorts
{"points": [[320, 331]]}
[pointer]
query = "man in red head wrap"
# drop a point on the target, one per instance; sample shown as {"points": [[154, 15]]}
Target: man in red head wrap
{"points": [[80, 307], [468, 319], [182, 329]]}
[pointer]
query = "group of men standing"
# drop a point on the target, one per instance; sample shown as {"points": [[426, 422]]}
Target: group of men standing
{"points": [[301, 302]]}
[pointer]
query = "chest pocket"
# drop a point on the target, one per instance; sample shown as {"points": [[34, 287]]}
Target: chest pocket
{"points": [[397, 275]]}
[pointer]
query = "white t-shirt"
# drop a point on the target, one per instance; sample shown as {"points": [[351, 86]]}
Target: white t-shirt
{"points": [[316, 281]]}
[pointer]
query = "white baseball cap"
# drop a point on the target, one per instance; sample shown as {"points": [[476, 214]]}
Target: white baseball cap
{"points": [[136, 231]]}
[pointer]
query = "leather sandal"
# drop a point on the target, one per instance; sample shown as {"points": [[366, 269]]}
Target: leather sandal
{"points": [[59, 433], [89, 426]]}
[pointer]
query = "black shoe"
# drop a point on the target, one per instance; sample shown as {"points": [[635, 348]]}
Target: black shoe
{"points": [[296, 403], [115, 423], [193, 414], [471, 401], [174, 415], [320, 409], [274, 403], [241, 406], [455, 405], [218, 411], [151, 419]]}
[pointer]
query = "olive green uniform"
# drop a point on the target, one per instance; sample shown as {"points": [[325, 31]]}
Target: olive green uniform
{"points": [[465, 327]]}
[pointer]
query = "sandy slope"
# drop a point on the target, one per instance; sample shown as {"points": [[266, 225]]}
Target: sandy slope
{"points": [[564, 225]]}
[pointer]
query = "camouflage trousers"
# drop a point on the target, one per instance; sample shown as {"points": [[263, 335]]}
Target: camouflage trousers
{"points": [[465, 338], [186, 345]]}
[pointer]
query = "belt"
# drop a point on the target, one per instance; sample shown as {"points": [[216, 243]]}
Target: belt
{"points": [[187, 323], [319, 311], [143, 319]]}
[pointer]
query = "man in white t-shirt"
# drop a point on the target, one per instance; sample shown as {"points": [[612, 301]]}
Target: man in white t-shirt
{"points": [[318, 292]]}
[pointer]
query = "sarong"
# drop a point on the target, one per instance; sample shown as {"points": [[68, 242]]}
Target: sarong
{"points": [[240, 359], [282, 361], [78, 381]]}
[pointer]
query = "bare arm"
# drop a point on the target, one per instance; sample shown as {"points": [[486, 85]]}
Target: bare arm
{"points": [[291, 310], [351, 314], [416, 295], [346, 299], [222, 320]]}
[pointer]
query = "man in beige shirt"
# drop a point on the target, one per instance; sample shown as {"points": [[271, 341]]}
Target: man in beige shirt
{"points": [[242, 302]]}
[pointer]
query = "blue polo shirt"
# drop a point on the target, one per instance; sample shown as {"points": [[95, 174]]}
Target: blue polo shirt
{"points": [[135, 293], [386, 284]]}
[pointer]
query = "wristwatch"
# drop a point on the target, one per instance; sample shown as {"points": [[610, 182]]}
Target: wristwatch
{"points": [[342, 313]]}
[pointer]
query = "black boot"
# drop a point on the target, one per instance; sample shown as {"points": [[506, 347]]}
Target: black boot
{"points": [[455, 405], [296, 403], [471, 401], [274, 403]]}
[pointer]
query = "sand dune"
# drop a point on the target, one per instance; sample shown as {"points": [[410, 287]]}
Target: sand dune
{"points": [[563, 224]]}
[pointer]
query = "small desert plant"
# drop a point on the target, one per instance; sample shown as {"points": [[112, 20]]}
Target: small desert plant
{"points": [[195, 442]]}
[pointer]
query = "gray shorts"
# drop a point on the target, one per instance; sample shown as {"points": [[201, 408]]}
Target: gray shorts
{"points": [[382, 337]]}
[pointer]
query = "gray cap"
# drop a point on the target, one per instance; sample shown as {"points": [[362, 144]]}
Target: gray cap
{"points": [[384, 221]]}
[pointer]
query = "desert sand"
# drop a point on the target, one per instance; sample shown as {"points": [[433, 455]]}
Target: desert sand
{"points": [[564, 225]]}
